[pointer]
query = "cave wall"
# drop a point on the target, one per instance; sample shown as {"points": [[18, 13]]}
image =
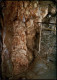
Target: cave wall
{"points": [[21, 34]]}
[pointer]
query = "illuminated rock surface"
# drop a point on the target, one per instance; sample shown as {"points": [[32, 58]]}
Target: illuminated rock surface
{"points": [[21, 35]]}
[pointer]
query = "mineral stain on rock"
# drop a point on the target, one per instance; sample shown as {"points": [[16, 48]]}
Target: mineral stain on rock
{"points": [[21, 34]]}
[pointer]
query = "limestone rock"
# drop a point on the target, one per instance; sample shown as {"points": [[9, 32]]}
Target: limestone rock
{"points": [[20, 27]]}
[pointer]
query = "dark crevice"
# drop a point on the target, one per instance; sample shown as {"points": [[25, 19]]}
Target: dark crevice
{"points": [[37, 40], [1, 15], [36, 47]]}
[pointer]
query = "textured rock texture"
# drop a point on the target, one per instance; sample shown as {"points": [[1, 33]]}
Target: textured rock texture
{"points": [[21, 34]]}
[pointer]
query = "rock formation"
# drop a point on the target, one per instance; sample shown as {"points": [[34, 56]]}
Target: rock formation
{"points": [[21, 34]]}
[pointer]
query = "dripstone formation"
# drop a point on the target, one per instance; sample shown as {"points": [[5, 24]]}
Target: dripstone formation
{"points": [[21, 35]]}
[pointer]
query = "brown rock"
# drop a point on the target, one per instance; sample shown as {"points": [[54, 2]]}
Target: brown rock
{"points": [[20, 23]]}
